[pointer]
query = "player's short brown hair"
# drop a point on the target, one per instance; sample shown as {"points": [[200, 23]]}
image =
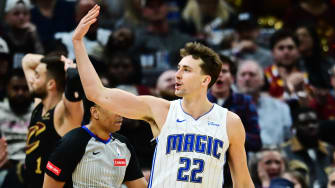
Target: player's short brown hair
{"points": [[211, 63]]}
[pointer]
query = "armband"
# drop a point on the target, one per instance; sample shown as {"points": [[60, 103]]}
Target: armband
{"points": [[73, 89]]}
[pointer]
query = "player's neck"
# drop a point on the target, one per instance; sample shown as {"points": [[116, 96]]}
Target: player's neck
{"points": [[196, 107], [51, 100]]}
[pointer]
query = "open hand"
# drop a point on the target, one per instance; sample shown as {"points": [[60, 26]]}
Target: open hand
{"points": [[85, 23]]}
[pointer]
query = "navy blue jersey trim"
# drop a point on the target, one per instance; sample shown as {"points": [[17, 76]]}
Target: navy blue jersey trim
{"points": [[95, 136]]}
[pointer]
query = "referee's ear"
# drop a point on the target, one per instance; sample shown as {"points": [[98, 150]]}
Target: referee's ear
{"points": [[94, 112]]}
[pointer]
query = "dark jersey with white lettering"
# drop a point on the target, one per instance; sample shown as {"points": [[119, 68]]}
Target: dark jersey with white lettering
{"points": [[41, 140], [88, 161]]}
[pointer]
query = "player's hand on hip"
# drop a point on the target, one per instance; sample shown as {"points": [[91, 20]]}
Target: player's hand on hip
{"points": [[86, 22]]}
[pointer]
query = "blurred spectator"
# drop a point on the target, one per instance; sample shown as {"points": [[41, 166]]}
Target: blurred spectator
{"points": [[52, 16], [241, 104], [111, 11], [15, 113], [119, 40], [124, 72], [222, 94], [316, 12], [284, 46], [158, 44], [207, 16], [322, 101], [94, 40], [306, 146], [21, 32], [244, 46], [266, 165], [315, 62], [296, 178], [165, 86], [5, 66], [331, 179], [275, 127], [265, 8], [132, 16], [281, 183]]}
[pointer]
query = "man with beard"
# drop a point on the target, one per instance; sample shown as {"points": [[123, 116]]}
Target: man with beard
{"points": [[56, 112], [15, 113], [306, 146], [165, 85]]}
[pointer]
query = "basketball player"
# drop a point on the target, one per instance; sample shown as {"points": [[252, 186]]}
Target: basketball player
{"points": [[94, 156], [193, 135], [53, 116]]}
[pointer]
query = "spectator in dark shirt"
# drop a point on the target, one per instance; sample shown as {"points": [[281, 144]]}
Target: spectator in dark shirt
{"points": [[52, 16]]}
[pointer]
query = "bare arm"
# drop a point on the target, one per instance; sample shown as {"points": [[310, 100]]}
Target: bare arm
{"points": [[3, 152], [139, 183], [29, 64], [237, 156], [116, 100], [49, 182], [69, 114]]}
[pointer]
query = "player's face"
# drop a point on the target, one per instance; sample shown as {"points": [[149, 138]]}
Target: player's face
{"points": [[39, 88], [224, 81], [273, 163], [111, 122], [189, 77]]}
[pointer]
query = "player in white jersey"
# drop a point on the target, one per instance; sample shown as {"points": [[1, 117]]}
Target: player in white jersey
{"points": [[194, 135]]}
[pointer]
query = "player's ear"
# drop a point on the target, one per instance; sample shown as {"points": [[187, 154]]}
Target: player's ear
{"points": [[206, 80]]}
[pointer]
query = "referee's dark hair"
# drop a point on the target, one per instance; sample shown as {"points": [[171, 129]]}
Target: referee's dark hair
{"points": [[87, 112]]}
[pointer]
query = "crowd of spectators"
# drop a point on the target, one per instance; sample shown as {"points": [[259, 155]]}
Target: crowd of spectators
{"points": [[278, 73]]}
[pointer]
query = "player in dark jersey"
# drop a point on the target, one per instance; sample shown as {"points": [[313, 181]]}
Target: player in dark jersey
{"points": [[53, 116], [94, 156]]}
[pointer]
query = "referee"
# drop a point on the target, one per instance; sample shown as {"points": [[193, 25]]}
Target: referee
{"points": [[94, 156]]}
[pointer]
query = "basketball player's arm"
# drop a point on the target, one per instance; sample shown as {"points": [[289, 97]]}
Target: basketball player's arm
{"points": [[120, 102], [237, 158], [29, 64], [50, 182], [139, 183]]}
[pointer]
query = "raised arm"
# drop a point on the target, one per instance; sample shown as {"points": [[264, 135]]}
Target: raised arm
{"points": [[237, 156], [70, 110], [116, 100], [29, 64]]}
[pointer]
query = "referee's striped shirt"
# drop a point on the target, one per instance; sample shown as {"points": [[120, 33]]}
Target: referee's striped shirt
{"points": [[83, 160]]}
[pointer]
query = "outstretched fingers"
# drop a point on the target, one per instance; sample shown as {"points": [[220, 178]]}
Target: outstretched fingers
{"points": [[91, 15]]}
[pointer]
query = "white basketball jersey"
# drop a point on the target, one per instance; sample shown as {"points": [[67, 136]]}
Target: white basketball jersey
{"points": [[190, 152]]}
